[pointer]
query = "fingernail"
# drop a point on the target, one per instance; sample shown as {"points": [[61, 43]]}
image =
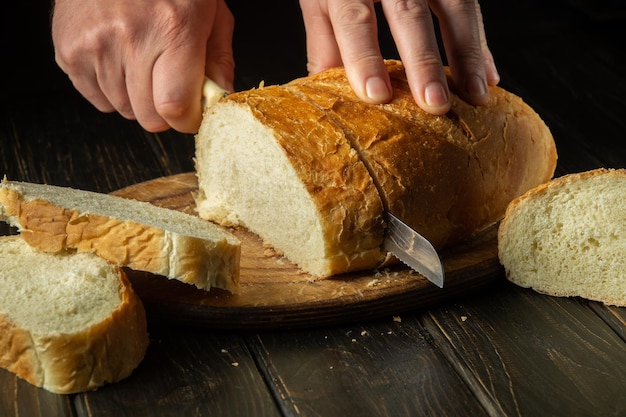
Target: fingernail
{"points": [[476, 86], [377, 90], [436, 94]]}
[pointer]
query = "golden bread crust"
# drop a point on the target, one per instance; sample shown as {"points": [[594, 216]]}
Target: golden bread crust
{"points": [[447, 176]]}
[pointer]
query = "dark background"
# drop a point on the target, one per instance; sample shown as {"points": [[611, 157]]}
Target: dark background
{"points": [[534, 42], [265, 30]]}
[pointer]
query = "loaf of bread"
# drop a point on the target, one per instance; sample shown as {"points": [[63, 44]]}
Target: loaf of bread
{"points": [[568, 237], [68, 322], [310, 168], [125, 232]]}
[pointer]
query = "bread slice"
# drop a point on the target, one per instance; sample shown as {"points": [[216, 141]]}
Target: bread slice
{"points": [[68, 322], [568, 237], [311, 169], [125, 232]]}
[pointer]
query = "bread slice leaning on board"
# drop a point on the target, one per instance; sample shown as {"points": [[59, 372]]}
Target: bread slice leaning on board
{"points": [[310, 168], [125, 232], [68, 322], [568, 237]]}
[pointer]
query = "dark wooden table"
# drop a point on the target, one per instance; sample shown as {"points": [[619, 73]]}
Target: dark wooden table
{"points": [[503, 351]]}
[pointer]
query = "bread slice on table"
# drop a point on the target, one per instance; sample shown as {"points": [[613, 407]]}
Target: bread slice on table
{"points": [[68, 322], [310, 168], [125, 232], [568, 237]]}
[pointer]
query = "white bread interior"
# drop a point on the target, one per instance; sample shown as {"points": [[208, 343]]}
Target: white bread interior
{"points": [[125, 232], [568, 237], [68, 322], [293, 184], [311, 169]]}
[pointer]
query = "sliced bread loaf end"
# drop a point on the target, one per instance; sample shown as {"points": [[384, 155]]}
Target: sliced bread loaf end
{"points": [[280, 167], [568, 237], [68, 322]]}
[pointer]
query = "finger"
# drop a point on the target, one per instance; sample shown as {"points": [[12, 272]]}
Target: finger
{"points": [[178, 75], [83, 75], [220, 64], [111, 79], [86, 83], [71, 59], [321, 45], [354, 25], [461, 38], [411, 25], [140, 89], [493, 78]]}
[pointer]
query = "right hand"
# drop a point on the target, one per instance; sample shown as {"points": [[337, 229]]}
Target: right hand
{"points": [[145, 59]]}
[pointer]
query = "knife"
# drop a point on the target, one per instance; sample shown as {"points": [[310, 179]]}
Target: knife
{"points": [[413, 249], [403, 242], [211, 93]]}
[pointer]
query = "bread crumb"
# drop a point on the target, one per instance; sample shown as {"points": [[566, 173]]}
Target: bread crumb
{"points": [[270, 252], [397, 319], [235, 363], [224, 351], [364, 333], [353, 340], [463, 318]]}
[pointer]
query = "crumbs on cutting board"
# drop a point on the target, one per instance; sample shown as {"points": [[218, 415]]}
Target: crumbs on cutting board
{"points": [[386, 276], [234, 363], [271, 252]]}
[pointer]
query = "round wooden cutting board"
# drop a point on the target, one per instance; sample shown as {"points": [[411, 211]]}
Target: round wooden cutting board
{"points": [[274, 293]]}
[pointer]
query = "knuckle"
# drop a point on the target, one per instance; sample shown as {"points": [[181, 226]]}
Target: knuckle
{"points": [[411, 9], [353, 13], [367, 60], [422, 56], [468, 60], [172, 110]]}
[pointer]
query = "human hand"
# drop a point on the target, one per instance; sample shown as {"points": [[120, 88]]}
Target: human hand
{"points": [[345, 33], [145, 58]]}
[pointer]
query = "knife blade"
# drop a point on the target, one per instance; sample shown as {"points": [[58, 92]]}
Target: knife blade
{"points": [[413, 249]]}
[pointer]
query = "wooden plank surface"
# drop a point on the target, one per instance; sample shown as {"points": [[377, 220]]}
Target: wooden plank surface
{"points": [[19, 398], [380, 368], [526, 354], [275, 293], [186, 372]]}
